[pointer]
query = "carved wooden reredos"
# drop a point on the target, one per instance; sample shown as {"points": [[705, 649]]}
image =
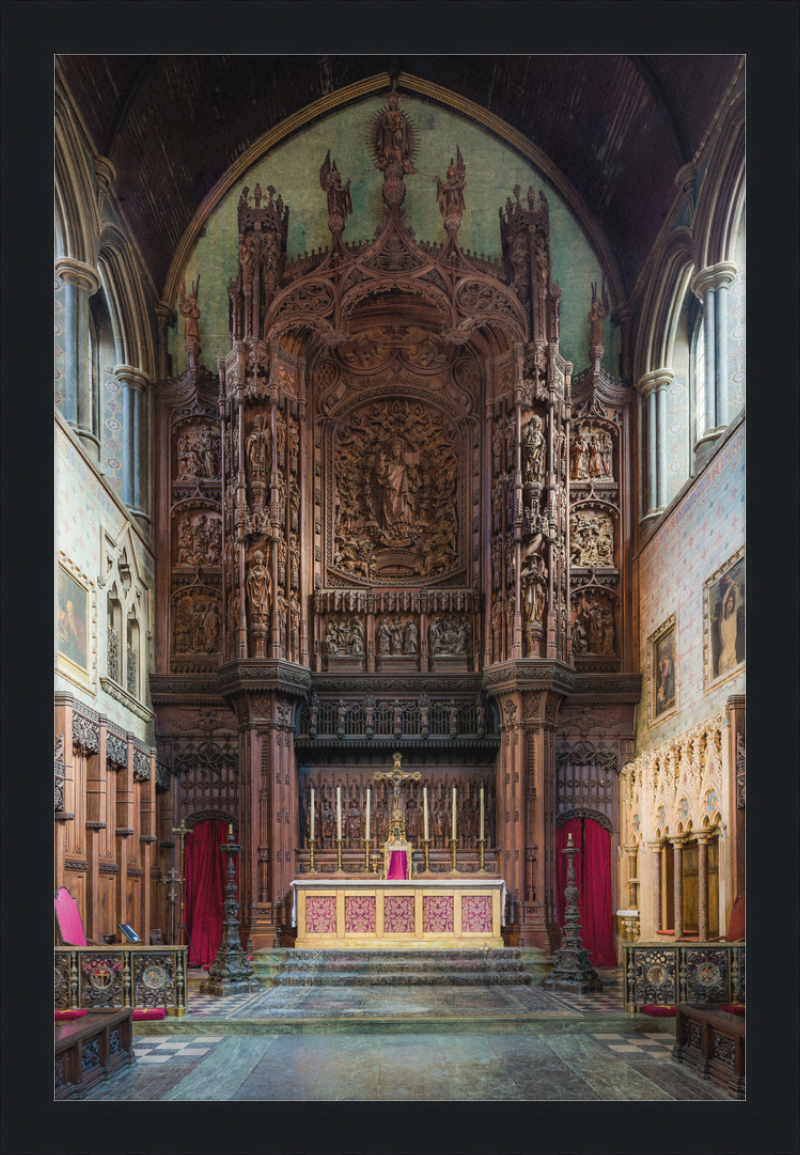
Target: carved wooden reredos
{"points": [[391, 485]]}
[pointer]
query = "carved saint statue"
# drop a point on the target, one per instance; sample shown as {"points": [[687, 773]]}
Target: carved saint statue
{"points": [[340, 205], [398, 480], [384, 637], [259, 587], [410, 637], [258, 449], [533, 450]]}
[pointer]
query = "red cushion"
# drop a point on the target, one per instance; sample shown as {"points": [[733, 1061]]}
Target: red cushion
{"points": [[62, 1016], [148, 1016], [659, 1012], [733, 1010]]}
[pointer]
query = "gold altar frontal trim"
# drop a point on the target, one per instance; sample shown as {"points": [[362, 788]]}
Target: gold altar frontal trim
{"points": [[337, 936]]}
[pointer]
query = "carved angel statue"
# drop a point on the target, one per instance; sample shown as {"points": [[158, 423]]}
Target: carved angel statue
{"points": [[189, 309], [340, 205], [597, 315], [450, 192]]}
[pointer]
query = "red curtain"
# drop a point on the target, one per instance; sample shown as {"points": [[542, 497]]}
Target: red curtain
{"points": [[593, 879], [597, 924], [206, 874]]}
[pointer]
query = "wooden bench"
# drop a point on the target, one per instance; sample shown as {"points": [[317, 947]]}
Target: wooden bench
{"points": [[712, 1041], [89, 1050]]}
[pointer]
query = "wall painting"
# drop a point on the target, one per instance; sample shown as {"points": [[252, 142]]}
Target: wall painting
{"points": [[724, 604], [663, 671]]}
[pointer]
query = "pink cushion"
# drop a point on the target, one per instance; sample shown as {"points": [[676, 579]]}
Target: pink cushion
{"points": [[148, 1016], [64, 1016], [69, 918], [659, 1012], [732, 1010]]}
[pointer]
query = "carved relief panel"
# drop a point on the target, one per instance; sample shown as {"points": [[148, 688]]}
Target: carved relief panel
{"points": [[393, 503]]}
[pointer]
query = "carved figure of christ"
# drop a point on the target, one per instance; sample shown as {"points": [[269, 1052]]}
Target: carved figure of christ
{"points": [[397, 480], [397, 777]]}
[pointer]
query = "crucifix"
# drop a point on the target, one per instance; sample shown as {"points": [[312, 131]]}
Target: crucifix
{"points": [[182, 830], [172, 877], [397, 776]]}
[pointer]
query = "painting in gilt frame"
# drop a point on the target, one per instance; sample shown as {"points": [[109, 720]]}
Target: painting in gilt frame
{"points": [[76, 636], [663, 671], [724, 604]]}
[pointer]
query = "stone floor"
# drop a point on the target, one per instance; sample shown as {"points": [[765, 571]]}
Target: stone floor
{"points": [[479, 1066], [445, 1043]]}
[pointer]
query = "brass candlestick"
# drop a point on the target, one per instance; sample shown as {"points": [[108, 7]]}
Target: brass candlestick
{"points": [[339, 844], [453, 852], [426, 846], [481, 845], [375, 858], [367, 845], [312, 842]]}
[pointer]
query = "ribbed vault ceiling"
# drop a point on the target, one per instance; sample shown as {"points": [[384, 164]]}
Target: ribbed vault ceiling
{"points": [[618, 127]]}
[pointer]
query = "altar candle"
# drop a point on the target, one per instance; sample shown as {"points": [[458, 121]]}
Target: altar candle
{"points": [[481, 814], [230, 829], [454, 814], [339, 812], [425, 810], [367, 834], [312, 811]]}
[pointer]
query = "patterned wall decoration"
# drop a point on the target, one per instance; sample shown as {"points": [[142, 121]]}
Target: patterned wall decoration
{"points": [[85, 511], [678, 443], [112, 429], [737, 337], [705, 529]]}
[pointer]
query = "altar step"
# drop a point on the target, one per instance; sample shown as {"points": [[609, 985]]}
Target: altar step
{"points": [[387, 967]]}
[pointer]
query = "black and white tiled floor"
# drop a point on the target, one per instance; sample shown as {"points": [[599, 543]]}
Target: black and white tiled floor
{"points": [[644, 1045], [160, 1049]]}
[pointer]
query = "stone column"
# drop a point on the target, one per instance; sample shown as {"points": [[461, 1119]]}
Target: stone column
{"points": [[711, 287], [653, 389], [81, 283], [677, 850], [135, 382], [656, 849], [702, 884], [632, 853]]}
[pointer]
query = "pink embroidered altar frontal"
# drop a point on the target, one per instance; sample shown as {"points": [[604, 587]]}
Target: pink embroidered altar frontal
{"points": [[372, 911]]}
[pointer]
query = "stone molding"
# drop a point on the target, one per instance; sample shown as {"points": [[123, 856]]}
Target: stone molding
{"points": [[714, 277], [76, 273]]}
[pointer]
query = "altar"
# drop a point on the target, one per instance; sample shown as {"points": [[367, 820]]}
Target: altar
{"points": [[394, 913]]}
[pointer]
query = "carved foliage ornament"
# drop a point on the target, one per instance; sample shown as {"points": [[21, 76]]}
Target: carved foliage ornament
{"points": [[141, 766], [85, 734], [116, 751], [396, 469]]}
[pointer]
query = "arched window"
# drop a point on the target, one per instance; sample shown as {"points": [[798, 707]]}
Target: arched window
{"points": [[114, 637], [699, 375]]}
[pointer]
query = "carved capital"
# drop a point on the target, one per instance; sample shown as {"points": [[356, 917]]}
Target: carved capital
{"points": [[714, 277], [135, 379], [655, 380], [73, 272], [105, 174]]}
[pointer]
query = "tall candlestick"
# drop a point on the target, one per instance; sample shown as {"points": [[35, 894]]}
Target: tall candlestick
{"points": [[312, 811], [368, 800], [454, 814], [425, 810], [230, 828], [339, 812], [481, 813]]}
